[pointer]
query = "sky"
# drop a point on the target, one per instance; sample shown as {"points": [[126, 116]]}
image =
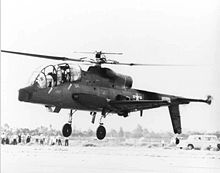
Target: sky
{"points": [[146, 31]]}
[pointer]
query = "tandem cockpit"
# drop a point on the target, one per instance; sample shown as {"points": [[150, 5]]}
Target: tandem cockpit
{"points": [[55, 75]]}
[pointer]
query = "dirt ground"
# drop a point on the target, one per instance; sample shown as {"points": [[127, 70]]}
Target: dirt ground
{"points": [[56, 159]]}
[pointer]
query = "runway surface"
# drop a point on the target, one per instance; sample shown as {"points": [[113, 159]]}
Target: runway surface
{"points": [[55, 159]]}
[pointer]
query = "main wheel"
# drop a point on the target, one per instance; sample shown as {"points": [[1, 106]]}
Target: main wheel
{"points": [[100, 132], [190, 146], [67, 130]]}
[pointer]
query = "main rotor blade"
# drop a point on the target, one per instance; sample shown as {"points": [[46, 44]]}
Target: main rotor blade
{"points": [[43, 56], [95, 52], [89, 60], [137, 64], [109, 53], [85, 52]]}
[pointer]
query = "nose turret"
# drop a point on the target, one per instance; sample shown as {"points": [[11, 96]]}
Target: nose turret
{"points": [[25, 94]]}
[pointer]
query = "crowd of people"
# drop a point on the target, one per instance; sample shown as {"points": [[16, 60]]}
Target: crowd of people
{"points": [[16, 139]]}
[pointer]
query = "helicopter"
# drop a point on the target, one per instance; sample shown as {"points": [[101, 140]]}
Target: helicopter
{"points": [[97, 89]]}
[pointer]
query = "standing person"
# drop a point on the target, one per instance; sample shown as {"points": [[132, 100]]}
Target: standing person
{"points": [[28, 139], [162, 143], [19, 138], [66, 141], [42, 139], [3, 139], [37, 139], [14, 142], [52, 140], [22, 138], [59, 140], [7, 141]]}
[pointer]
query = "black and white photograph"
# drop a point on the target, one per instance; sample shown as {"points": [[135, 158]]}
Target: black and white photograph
{"points": [[110, 86]]}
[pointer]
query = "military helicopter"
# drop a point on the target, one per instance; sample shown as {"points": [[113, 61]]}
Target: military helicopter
{"points": [[99, 89]]}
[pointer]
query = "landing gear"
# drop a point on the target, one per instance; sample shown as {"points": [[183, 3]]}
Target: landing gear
{"points": [[67, 128], [93, 114], [100, 132], [190, 146], [176, 139]]}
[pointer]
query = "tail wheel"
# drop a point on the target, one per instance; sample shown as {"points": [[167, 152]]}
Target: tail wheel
{"points": [[67, 130], [100, 132], [190, 146], [218, 146], [177, 141]]}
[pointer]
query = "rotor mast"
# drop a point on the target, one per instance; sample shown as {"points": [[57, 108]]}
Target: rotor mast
{"points": [[100, 57]]}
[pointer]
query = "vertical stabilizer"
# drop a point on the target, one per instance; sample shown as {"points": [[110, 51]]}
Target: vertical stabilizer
{"points": [[175, 118]]}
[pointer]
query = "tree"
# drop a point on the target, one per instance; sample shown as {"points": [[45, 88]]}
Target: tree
{"points": [[146, 133], [138, 132], [113, 133], [127, 134], [121, 133], [6, 126], [90, 133]]}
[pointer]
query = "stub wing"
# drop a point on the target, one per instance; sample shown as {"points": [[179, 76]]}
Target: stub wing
{"points": [[137, 105]]}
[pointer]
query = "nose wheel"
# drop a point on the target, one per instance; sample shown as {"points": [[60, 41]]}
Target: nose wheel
{"points": [[100, 132]]}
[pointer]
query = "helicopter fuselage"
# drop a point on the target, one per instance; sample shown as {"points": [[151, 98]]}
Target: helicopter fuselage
{"points": [[83, 96], [91, 91]]}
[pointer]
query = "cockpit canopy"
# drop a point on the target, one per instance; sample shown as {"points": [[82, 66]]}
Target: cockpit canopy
{"points": [[54, 75]]}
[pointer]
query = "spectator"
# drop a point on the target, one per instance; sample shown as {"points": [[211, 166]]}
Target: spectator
{"points": [[7, 140], [52, 140], [66, 141], [19, 138], [59, 140], [3, 138], [28, 139], [42, 139], [23, 138], [162, 143], [14, 141]]}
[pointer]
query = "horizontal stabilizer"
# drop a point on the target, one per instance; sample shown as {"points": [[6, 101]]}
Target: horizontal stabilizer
{"points": [[180, 100]]}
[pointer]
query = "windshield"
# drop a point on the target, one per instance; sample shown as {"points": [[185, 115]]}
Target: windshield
{"points": [[34, 75], [51, 75]]}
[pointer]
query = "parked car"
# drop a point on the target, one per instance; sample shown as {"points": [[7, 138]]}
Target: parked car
{"points": [[200, 142]]}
